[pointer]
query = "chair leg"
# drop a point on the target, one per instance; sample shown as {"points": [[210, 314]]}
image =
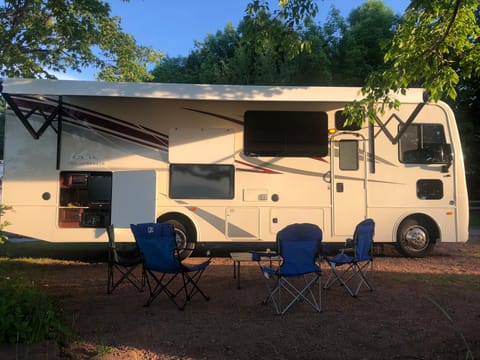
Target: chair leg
{"points": [[193, 282], [354, 270], [164, 283], [109, 279], [362, 272], [126, 274], [283, 287], [305, 294], [339, 276], [159, 287]]}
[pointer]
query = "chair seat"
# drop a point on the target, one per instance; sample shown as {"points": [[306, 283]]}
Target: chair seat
{"points": [[340, 259], [197, 267], [286, 273]]}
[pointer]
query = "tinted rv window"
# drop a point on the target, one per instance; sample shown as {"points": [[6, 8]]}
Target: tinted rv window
{"points": [[423, 144], [286, 133], [429, 189], [348, 154], [340, 120], [198, 181]]}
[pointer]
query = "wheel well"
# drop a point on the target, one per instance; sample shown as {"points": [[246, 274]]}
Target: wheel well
{"points": [[185, 220], [428, 222]]}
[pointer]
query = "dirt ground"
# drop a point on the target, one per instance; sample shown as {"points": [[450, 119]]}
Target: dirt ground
{"points": [[420, 309]]}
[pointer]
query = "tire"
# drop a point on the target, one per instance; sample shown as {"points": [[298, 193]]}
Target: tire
{"points": [[415, 238], [186, 234]]}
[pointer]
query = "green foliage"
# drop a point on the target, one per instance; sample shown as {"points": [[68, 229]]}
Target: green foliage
{"points": [[40, 37], [3, 224], [268, 48], [27, 315], [435, 47], [474, 219], [362, 48], [2, 126]]}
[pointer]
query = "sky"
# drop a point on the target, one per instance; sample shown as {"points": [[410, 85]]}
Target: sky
{"points": [[173, 26]]}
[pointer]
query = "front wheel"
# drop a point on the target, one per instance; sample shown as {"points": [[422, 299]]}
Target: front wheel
{"points": [[185, 233], [415, 238]]}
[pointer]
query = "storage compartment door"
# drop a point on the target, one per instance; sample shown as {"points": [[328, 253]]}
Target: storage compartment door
{"points": [[133, 197]]}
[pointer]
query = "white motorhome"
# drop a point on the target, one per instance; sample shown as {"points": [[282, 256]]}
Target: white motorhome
{"points": [[227, 164]]}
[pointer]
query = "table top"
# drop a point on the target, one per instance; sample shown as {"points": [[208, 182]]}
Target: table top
{"points": [[241, 256], [247, 256]]}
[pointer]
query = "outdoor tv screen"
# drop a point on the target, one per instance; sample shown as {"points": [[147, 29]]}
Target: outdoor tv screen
{"points": [[286, 133]]}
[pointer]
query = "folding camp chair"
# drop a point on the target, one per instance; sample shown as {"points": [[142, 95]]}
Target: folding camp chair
{"points": [[122, 261], [162, 264], [356, 267], [297, 273]]}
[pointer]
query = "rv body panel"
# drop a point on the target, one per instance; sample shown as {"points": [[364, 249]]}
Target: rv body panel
{"points": [[180, 152]]}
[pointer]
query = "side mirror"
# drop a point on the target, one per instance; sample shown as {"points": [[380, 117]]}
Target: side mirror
{"points": [[447, 156]]}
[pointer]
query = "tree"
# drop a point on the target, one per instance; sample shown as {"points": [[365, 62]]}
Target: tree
{"points": [[173, 70], [435, 47], [262, 50], [267, 50], [256, 53], [209, 62], [41, 37], [212, 56], [370, 27]]}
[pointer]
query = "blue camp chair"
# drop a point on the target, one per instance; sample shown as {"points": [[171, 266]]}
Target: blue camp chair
{"points": [[122, 261], [162, 264], [356, 267], [298, 271]]}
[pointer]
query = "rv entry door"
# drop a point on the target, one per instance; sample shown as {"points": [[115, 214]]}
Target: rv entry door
{"points": [[349, 182]]}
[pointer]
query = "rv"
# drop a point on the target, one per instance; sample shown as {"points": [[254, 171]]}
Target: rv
{"points": [[227, 164]]}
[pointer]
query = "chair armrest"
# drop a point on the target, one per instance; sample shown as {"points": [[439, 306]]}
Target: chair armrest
{"points": [[349, 243], [258, 255], [349, 246]]}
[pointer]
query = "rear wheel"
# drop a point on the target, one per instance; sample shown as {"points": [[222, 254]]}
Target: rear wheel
{"points": [[185, 233], [415, 238]]}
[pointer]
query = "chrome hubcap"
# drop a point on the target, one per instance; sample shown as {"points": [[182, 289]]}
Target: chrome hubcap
{"points": [[416, 238]]}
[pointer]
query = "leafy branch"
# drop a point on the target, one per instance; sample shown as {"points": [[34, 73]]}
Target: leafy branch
{"points": [[435, 47], [3, 224]]}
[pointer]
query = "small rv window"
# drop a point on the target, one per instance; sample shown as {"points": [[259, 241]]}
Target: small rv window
{"points": [[429, 189], [196, 181], [423, 144], [348, 154], [286, 133], [340, 120]]}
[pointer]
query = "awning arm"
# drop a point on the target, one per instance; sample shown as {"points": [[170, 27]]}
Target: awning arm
{"points": [[404, 125], [24, 117]]}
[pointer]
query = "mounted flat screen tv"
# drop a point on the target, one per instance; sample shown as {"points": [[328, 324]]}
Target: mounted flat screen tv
{"points": [[286, 133], [100, 188]]}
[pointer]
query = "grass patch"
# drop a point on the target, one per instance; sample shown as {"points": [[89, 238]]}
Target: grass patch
{"points": [[104, 350], [27, 314]]}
